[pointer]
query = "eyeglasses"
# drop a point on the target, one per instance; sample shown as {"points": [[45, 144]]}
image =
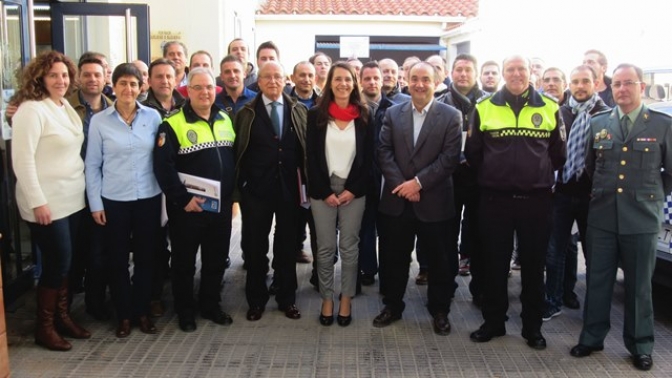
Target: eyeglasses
{"points": [[627, 84], [273, 77], [199, 88]]}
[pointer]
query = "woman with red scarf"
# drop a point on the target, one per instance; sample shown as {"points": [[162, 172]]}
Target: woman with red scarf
{"points": [[339, 147]]}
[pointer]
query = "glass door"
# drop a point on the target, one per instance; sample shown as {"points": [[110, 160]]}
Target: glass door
{"points": [[120, 31], [15, 248]]}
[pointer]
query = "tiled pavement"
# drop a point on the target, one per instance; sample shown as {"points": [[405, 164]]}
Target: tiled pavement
{"points": [[279, 347]]}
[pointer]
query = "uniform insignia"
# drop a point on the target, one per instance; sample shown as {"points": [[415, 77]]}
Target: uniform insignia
{"points": [[646, 115], [192, 136], [536, 120], [603, 133], [647, 139], [597, 137], [563, 133], [162, 139]]}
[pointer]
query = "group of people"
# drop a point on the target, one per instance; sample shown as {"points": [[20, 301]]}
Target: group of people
{"points": [[442, 166]]}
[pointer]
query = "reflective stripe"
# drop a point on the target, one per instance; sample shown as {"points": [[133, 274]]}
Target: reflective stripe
{"points": [[202, 146]]}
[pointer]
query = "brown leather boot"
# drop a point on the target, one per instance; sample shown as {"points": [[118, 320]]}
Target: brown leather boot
{"points": [[45, 334], [63, 321]]}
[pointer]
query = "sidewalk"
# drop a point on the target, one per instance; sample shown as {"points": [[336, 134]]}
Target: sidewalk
{"points": [[279, 347]]}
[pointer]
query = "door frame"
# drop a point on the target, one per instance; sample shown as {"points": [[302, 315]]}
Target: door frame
{"points": [[139, 11]]}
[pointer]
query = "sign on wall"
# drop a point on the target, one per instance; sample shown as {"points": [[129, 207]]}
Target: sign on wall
{"points": [[354, 47], [159, 38]]}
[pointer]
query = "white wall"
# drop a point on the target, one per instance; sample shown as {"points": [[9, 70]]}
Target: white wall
{"points": [[204, 24], [296, 38]]}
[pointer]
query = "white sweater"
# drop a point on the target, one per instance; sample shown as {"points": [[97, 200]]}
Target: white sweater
{"points": [[46, 145]]}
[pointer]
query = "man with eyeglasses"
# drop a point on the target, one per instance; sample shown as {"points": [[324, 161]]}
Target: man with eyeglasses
{"points": [[598, 61], [553, 83], [630, 166], [572, 193], [269, 151], [235, 95], [197, 140]]}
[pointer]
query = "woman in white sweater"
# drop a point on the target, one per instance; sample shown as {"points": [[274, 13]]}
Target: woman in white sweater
{"points": [[47, 139]]}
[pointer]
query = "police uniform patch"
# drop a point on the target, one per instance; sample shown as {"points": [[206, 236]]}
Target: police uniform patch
{"points": [[536, 120], [162, 139], [192, 136]]}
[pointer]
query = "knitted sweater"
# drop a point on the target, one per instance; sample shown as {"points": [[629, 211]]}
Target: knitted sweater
{"points": [[49, 170]]}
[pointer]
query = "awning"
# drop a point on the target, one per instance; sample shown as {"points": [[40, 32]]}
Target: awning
{"points": [[386, 46]]}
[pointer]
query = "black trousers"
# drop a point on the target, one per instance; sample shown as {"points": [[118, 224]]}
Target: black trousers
{"points": [[397, 240], [257, 218], [465, 228], [530, 217], [188, 231], [141, 219]]}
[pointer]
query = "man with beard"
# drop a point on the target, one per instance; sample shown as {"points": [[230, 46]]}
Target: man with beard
{"points": [[572, 192]]}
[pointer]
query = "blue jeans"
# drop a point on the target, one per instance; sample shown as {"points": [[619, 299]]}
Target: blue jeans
{"points": [[56, 243], [566, 210]]}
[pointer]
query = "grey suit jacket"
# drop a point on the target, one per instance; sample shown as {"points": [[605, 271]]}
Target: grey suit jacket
{"points": [[433, 159], [631, 175]]}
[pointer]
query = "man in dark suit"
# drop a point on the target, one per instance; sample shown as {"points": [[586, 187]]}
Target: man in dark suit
{"points": [[419, 150], [627, 148], [270, 135]]}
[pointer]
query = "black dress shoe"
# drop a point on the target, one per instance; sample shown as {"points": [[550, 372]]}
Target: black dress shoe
{"points": [[570, 301], [186, 321], [486, 333], [218, 316], [254, 313], [535, 340], [146, 325], [291, 311], [385, 318], [581, 350], [274, 287], [326, 320], [441, 324], [344, 321], [642, 361]]}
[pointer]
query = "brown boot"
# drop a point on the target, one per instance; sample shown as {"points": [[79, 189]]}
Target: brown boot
{"points": [[45, 334], [63, 321]]}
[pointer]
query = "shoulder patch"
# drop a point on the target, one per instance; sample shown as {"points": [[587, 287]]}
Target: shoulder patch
{"points": [[601, 113]]}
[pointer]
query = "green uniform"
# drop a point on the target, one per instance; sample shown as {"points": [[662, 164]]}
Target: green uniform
{"points": [[624, 220]]}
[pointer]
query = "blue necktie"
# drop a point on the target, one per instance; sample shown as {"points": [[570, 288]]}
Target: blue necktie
{"points": [[275, 118]]}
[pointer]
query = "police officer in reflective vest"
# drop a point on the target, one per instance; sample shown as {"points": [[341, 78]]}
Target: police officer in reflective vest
{"points": [[516, 140], [198, 141]]}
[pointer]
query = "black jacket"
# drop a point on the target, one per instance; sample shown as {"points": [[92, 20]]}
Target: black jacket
{"points": [[319, 186]]}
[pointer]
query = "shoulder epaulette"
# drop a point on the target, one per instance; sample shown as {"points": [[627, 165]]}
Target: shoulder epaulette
{"points": [[660, 112]]}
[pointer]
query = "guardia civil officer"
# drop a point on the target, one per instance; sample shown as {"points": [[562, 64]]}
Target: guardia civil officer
{"points": [[627, 148]]}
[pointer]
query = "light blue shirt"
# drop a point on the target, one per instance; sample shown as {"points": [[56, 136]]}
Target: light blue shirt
{"points": [[119, 162]]}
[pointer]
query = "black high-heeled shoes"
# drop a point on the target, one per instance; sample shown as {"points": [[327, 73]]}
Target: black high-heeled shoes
{"points": [[344, 321], [327, 320]]}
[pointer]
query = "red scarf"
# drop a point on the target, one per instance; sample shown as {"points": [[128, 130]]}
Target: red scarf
{"points": [[347, 114]]}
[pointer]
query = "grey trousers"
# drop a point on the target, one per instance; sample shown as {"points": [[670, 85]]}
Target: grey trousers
{"points": [[349, 220]]}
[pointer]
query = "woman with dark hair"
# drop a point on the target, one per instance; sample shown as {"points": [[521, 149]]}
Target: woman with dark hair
{"points": [[124, 195], [339, 145], [47, 139]]}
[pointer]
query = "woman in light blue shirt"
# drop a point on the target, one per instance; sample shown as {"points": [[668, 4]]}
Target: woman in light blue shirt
{"points": [[124, 195]]}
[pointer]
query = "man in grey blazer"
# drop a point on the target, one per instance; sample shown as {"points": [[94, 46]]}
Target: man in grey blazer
{"points": [[420, 144], [630, 166]]}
